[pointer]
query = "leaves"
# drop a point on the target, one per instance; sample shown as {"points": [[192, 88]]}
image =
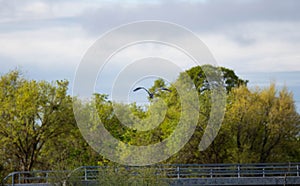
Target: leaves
{"points": [[38, 128], [32, 113], [263, 124]]}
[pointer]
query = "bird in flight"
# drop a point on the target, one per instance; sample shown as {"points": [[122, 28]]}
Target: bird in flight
{"points": [[151, 94]]}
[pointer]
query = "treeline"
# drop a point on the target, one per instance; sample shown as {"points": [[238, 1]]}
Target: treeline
{"points": [[38, 130]]}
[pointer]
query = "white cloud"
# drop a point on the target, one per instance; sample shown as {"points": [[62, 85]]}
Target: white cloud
{"points": [[36, 9], [47, 47], [258, 46], [247, 37], [15, 10]]}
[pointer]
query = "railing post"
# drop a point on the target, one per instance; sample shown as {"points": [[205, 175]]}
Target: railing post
{"points": [[263, 172], [297, 170], [239, 168], [19, 178], [178, 172], [85, 174], [13, 179], [211, 173]]}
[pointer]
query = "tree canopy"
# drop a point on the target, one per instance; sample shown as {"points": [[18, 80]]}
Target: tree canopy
{"points": [[38, 129]]}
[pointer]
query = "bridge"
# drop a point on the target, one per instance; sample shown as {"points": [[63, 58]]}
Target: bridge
{"points": [[181, 174]]}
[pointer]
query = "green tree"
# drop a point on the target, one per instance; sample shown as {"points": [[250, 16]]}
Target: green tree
{"points": [[204, 78], [200, 75], [264, 125], [32, 113], [190, 152]]}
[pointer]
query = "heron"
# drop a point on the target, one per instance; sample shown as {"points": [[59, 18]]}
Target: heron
{"points": [[151, 94]]}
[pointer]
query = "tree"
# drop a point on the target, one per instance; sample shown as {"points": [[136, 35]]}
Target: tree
{"points": [[38, 128], [200, 75], [264, 125], [204, 78], [67, 152], [32, 113]]}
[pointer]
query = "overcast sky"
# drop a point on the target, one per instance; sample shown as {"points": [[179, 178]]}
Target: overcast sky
{"points": [[48, 38]]}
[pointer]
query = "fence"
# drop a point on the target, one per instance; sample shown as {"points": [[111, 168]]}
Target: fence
{"points": [[180, 171], [232, 170]]}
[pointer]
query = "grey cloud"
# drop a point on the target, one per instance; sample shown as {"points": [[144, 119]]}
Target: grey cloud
{"points": [[272, 20], [195, 15], [7, 9], [23, 25], [198, 16]]}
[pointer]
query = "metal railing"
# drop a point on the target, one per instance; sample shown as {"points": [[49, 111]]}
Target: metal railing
{"points": [[38, 176], [232, 170], [175, 171]]}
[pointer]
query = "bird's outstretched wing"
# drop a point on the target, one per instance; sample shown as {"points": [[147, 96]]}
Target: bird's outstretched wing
{"points": [[163, 88], [139, 88], [151, 94]]}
